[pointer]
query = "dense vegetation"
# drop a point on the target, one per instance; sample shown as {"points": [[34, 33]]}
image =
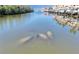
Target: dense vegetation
{"points": [[14, 9]]}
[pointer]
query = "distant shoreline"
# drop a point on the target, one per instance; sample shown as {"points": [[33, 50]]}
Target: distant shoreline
{"points": [[72, 10], [14, 9]]}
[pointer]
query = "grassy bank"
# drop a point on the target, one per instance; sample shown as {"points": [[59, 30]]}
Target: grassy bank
{"points": [[14, 9]]}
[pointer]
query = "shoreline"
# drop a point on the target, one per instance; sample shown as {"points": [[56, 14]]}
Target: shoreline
{"points": [[14, 9], [72, 10], [16, 14]]}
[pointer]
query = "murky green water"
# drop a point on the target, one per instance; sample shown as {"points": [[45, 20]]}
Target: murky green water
{"points": [[46, 34]]}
